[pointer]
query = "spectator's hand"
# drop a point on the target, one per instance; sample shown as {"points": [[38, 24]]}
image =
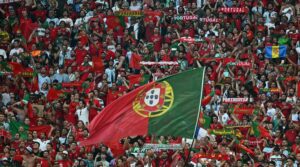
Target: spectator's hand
{"points": [[122, 58]]}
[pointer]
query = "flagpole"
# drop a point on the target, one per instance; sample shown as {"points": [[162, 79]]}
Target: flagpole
{"points": [[199, 110]]}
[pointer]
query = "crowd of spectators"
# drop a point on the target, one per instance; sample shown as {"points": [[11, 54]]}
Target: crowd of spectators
{"points": [[81, 54]]}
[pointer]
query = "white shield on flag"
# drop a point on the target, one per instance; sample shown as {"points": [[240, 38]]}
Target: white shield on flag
{"points": [[152, 97]]}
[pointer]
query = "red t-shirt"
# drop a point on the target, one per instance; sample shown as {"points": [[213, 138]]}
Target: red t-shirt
{"points": [[95, 49], [93, 112], [40, 13], [157, 40], [70, 116], [80, 54], [64, 163], [44, 162], [291, 135]]}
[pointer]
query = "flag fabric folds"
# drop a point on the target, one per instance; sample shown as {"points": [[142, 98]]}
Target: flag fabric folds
{"points": [[273, 52], [204, 120], [165, 107], [260, 131], [22, 129], [138, 79]]}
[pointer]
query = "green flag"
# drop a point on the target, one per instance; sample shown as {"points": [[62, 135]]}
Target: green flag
{"points": [[18, 127]]}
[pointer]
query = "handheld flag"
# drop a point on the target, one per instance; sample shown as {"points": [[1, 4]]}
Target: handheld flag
{"points": [[273, 52], [165, 107]]}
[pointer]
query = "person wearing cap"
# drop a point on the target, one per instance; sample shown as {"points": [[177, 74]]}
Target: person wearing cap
{"points": [[65, 161], [5, 162], [29, 159]]}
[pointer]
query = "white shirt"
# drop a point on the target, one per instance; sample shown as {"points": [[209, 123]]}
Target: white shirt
{"points": [[43, 144], [257, 9], [81, 21], [83, 115], [5, 98], [295, 117], [55, 20], [276, 159], [64, 55], [291, 99], [111, 75], [224, 118], [62, 140], [3, 53], [271, 112], [16, 50], [267, 15], [67, 21], [42, 79]]}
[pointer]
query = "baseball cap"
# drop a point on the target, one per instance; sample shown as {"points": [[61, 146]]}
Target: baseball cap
{"points": [[65, 152], [4, 159], [29, 149]]}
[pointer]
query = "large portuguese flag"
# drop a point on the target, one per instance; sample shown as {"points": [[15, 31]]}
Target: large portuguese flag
{"points": [[169, 106]]}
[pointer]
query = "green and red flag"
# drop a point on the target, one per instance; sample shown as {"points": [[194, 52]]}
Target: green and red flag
{"points": [[22, 129], [54, 94], [35, 82], [168, 106], [260, 131], [204, 120], [206, 100], [245, 110], [16, 68], [138, 79], [246, 149]]}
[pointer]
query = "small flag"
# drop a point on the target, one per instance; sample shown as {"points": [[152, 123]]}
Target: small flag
{"points": [[260, 131], [16, 68], [273, 52], [206, 100], [54, 94], [138, 79], [22, 129], [204, 120], [36, 53]]}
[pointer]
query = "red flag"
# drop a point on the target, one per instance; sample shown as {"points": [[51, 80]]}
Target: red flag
{"points": [[34, 84], [248, 150], [228, 60], [264, 133], [115, 115], [90, 88], [207, 98], [135, 61], [134, 79], [16, 68], [54, 94], [27, 28], [116, 148], [47, 129]]}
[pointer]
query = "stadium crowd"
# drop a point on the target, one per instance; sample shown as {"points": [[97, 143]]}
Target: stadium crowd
{"points": [[63, 61]]}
